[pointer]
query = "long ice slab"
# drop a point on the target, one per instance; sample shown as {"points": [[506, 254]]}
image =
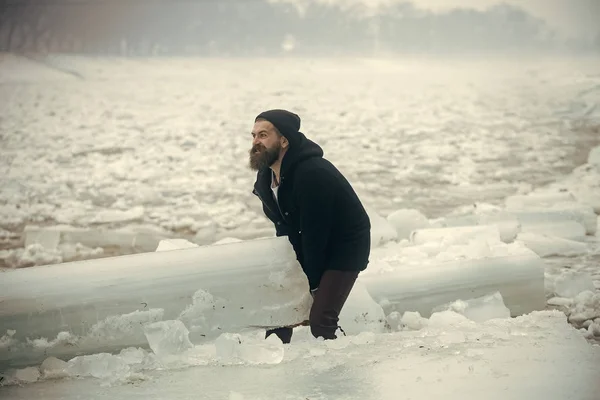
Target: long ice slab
{"points": [[422, 287], [102, 304]]}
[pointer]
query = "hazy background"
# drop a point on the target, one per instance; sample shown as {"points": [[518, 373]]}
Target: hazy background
{"points": [[298, 27]]}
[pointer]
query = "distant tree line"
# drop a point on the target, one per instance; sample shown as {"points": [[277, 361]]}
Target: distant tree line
{"points": [[258, 27]]}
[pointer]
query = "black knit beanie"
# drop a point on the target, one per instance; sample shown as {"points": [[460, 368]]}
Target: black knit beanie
{"points": [[286, 122]]}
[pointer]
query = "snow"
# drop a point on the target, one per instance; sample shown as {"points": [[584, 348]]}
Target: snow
{"points": [[136, 167]]}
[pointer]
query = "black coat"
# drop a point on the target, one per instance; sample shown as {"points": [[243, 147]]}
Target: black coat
{"points": [[318, 211]]}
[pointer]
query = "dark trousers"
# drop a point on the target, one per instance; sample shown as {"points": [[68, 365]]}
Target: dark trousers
{"points": [[328, 300]]}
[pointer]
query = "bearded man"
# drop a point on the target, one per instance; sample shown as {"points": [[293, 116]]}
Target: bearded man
{"points": [[309, 200]]}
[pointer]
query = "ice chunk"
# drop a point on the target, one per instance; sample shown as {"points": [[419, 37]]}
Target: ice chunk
{"points": [[381, 230], [7, 340], [393, 321], [586, 305], [420, 285], [62, 338], [168, 338], [545, 246], [227, 240], [594, 156], [572, 230], [361, 313], [197, 314], [102, 366], [7, 235], [27, 375], [53, 368], [553, 218], [479, 309], [594, 328], [235, 349], [114, 216], [238, 275], [475, 249], [412, 320], [138, 237], [508, 225], [77, 251], [174, 244], [571, 283], [33, 255], [539, 200], [560, 301], [407, 220], [206, 235], [125, 325], [135, 356], [585, 332], [442, 319], [48, 238], [456, 235], [227, 346]]}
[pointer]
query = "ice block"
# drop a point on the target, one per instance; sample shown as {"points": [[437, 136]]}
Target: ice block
{"points": [[455, 235], [102, 304], [423, 286]]}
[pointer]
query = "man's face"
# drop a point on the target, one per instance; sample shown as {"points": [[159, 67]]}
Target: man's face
{"points": [[267, 145]]}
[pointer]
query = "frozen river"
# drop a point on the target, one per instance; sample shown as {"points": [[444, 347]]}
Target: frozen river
{"points": [[160, 146], [163, 143]]}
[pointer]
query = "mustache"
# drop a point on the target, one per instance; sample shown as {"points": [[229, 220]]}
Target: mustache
{"points": [[258, 147]]}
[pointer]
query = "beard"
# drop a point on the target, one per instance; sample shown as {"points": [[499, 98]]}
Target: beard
{"points": [[262, 157]]}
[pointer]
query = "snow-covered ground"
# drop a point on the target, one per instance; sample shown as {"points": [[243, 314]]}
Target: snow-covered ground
{"points": [[108, 156]]}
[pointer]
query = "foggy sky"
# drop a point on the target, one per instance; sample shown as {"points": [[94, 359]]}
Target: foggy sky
{"points": [[301, 27], [571, 18], [579, 18]]}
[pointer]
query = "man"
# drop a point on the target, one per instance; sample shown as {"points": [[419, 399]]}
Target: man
{"points": [[311, 203]]}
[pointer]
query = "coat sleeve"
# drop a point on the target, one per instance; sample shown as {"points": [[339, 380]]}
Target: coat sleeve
{"points": [[315, 194], [281, 230]]}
